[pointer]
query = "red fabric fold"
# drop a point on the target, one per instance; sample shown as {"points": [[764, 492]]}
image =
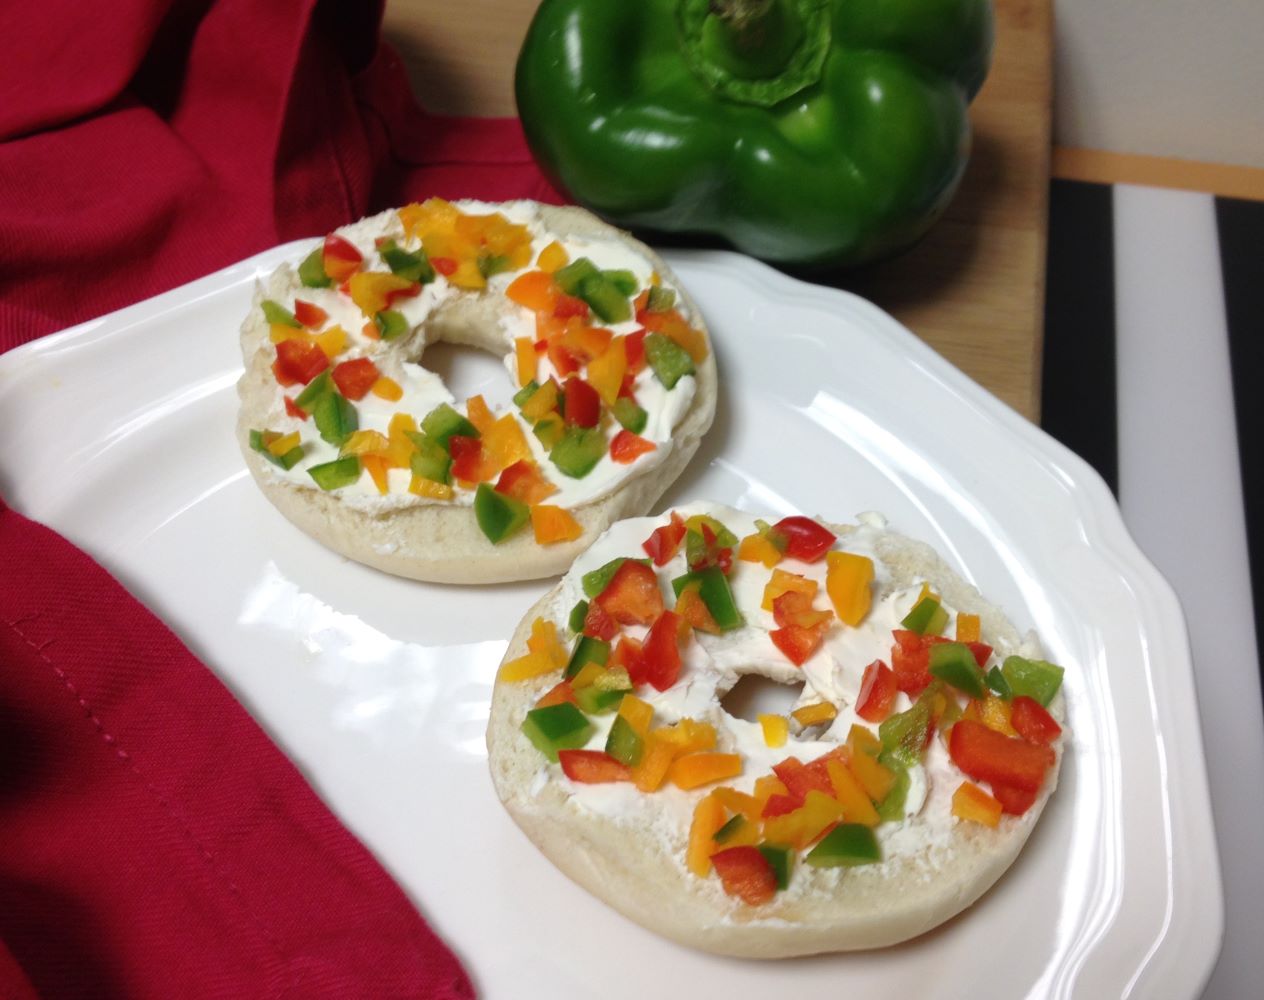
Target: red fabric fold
{"points": [[153, 842]]}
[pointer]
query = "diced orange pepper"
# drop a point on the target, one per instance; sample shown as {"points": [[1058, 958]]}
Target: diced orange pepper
{"points": [[993, 712], [697, 769], [525, 482], [766, 786], [332, 341], [533, 289], [526, 666], [970, 802], [480, 416], [431, 215], [376, 467], [708, 817], [801, 826], [739, 802], [544, 639], [558, 693], [638, 713], [388, 389], [812, 715], [585, 342], [688, 736], [528, 361], [862, 740], [856, 803], [542, 401], [776, 728], [968, 629], [672, 325], [400, 447], [782, 581], [650, 773], [693, 609], [606, 371], [757, 548], [876, 779], [554, 524], [429, 488], [847, 581], [365, 443], [552, 258], [503, 444]]}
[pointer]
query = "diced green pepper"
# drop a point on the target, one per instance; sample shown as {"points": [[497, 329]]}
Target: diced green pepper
{"points": [[630, 415], [716, 594], [557, 727], [730, 829], [526, 392], [336, 474], [903, 735], [624, 743], [312, 271], [570, 277], [1037, 679], [624, 281], [578, 613], [926, 618], [489, 264], [549, 429], [605, 299], [661, 299], [391, 324], [669, 360], [430, 460], [498, 516], [847, 845], [594, 701], [578, 451], [891, 808], [781, 859], [587, 650], [317, 387], [287, 461], [774, 537], [335, 417], [274, 312], [997, 682], [413, 266], [443, 422], [953, 662]]}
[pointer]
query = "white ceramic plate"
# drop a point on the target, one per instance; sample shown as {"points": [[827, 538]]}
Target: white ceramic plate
{"points": [[118, 433]]}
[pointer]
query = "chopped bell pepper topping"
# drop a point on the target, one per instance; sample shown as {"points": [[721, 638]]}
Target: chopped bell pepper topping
{"points": [[587, 650], [954, 663], [1032, 722], [1036, 679], [557, 727], [877, 692], [805, 539], [553, 524], [714, 589], [312, 271], [814, 715], [578, 451], [746, 874], [986, 755], [697, 769], [848, 580], [775, 729], [664, 542], [336, 474], [498, 516], [669, 361], [847, 845], [972, 803]]}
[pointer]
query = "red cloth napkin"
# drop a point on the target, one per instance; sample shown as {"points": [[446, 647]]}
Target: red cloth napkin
{"points": [[153, 842]]}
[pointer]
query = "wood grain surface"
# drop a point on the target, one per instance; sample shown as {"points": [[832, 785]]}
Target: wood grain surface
{"points": [[973, 288]]}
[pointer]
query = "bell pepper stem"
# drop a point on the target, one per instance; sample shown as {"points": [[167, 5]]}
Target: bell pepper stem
{"points": [[752, 39]]}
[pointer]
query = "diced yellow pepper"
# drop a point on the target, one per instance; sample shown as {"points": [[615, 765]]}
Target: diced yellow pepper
{"points": [[993, 712], [388, 389], [862, 740], [430, 216], [372, 290], [781, 582], [587, 675], [708, 817], [376, 466], [766, 787], [812, 715], [688, 736], [746, 835], [526, 666], [739, 802], [332, 341], [544, 639], [365, 443], [503, 444], [968, 629], [847, 581], [399, 447], [424, 487], [757, 548], [278, 446], [972, 803], [606, 371], [856, 803], [528, 360], [876, 779], [638, 713], [776, 728], [697, 769], [552, 258], [802, 826], [649, 774], [542, 401], [278, 332], [480, 416]]}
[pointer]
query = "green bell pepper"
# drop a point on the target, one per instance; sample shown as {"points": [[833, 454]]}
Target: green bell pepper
{"points": [[587, 650], [781, 859], [953, 662], [1037, 679], [716, 594], [312, 271], [443, 423], [578, 451], [498, 516], [812, 132], [336, 474], [276, 313], [578, 613], [557, 727], [847, 845], [624, 743], [630, 415]]}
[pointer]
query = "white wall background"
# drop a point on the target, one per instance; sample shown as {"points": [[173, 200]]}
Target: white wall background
{"points": [[1178, 78]]}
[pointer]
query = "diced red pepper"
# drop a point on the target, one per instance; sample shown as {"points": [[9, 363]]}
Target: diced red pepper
{"points": [[981, 651], [558, 693], [1014, 801], [910, 662], [627, 447], [598, 624], [794, 607], [627, 387], [779, 805], [634, 347], [583, 405], [664, 542], [524, 481], [355, 378], [662, 651], [1032, 722], [805, 539], [630, 655], [746, 874], [311, 316], [800, 778], [563, 360], [341, 258], [567, 306], [444, 265], [298, 362], [986, 755], [467, 457], [877, 692], [592, 767], [293, 410], [797, 642], [632, 597]]}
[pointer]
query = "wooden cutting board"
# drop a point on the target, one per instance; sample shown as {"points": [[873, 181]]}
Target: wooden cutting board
{"points": [[973, 288]]}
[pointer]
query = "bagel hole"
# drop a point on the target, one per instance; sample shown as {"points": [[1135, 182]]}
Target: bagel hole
{"points": [[468, 371], [754, 695]]}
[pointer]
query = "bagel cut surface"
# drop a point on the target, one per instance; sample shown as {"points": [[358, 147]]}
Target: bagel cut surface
{"points": [[361, 446], [677, 846]]}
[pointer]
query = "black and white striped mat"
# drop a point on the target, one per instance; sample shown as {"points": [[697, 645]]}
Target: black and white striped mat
{"points": [[1154, 356]]}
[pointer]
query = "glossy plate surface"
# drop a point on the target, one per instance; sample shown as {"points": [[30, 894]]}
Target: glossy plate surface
{"points": [[119, 435]]}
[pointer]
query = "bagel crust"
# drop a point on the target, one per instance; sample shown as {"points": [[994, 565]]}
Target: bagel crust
{"points": [[628, 848], [425, 537]]}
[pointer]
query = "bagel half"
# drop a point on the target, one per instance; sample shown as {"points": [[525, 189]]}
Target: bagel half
{"points": [[628, 848], [426, 539]]}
